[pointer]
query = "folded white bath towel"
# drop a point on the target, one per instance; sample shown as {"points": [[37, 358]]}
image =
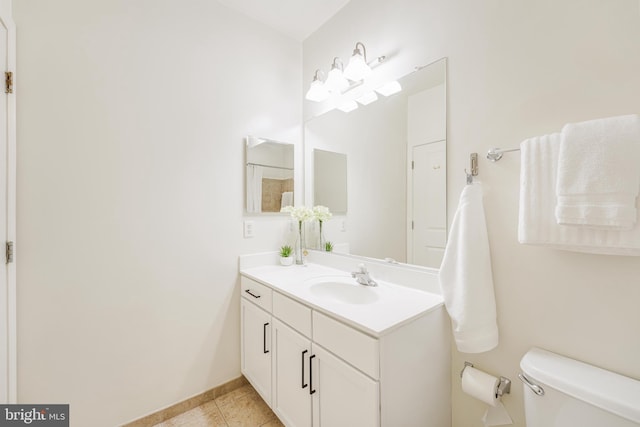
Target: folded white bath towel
{"points": [[537, 222], [466, 280], [599, 173]]}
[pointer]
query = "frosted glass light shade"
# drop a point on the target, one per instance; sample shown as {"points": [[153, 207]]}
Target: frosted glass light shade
{"points": [[348, 106], [390, 88], [357, 69], [336, 81], [317, 92], [367, 98]]}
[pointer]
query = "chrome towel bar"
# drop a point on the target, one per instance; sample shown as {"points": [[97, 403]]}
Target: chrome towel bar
{"points": [[495, 154]]}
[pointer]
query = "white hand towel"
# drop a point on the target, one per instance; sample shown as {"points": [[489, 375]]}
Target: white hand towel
{"points": [[287, 199], [466, 280], [537, 222], [599, 173]]}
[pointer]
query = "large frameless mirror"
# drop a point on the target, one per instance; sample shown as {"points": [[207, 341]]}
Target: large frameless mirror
{"points": [[395, 154]]}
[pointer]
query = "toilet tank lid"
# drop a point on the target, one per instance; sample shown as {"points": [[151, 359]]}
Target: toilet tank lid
{"points": [[604, 389]]}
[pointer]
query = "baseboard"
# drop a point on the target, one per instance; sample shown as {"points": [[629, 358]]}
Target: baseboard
{"points": [[188, 404]]}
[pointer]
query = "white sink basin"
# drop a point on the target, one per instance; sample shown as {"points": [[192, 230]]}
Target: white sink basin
{"points": [[342, 289]]}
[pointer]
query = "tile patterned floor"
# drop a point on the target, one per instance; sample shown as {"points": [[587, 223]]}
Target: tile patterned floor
{"points": [[243, 407]]}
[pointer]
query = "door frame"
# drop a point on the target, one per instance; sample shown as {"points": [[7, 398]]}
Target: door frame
{"points": [[11, 333]]}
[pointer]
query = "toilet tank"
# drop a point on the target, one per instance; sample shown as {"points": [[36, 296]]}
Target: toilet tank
{"points": [[575, 394]]}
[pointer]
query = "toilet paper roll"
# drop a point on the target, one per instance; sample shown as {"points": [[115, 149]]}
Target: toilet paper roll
{"points": [[480, 385]]}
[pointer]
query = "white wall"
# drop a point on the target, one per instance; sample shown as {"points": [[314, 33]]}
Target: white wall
{"points": [[131, 119], [518, 69]]}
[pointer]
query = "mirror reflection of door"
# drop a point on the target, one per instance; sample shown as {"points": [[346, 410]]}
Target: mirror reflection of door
{"points": [[426, 133], [429, 193]]}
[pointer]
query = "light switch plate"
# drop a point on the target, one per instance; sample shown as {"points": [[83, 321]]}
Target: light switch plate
{"points": [[248, 229]]}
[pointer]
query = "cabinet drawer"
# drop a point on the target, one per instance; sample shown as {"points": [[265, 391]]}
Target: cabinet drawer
{"points": [[257, 293], [360, 350], [291, 312]]}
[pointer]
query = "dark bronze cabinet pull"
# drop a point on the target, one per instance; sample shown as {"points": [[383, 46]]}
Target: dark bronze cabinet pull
{"points": [[311, 390], [252, 294], [303, 384], [264, 338]]}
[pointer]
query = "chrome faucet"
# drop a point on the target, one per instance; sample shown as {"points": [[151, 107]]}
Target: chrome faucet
{"points": [[362, 276]]}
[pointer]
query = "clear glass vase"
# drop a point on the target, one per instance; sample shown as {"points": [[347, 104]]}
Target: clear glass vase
{"points": [[300, 245], [321, 237]]}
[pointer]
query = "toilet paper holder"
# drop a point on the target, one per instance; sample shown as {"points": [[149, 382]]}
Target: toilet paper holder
{"points": [[504, 386]]}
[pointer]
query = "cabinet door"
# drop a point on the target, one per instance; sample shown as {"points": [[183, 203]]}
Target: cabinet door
{"points": [[256, 348], [344, 397], [291, 396]]}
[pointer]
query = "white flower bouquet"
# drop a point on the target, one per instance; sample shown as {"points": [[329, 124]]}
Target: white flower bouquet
{"points": [[321, 213], [299, 213]]}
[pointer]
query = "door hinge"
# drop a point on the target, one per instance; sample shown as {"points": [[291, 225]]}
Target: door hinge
{"points": [[413, 165], [8, 82], [9, 252], [412, 225]]}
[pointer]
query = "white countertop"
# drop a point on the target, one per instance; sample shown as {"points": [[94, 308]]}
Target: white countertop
{"points": [[387, 306]]}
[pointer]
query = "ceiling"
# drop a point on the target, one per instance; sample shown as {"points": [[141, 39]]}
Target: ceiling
{"points": [[295, 18]]}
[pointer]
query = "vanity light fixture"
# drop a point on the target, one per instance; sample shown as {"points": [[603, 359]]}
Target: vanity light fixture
{"points": [[358, 69], [317, 92], [336, 82], [348, 106], [341, 80], [367, 98], [390, 88]]}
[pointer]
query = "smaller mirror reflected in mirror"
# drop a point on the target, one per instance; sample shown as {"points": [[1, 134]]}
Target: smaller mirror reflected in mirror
{"points": [[269, 175], [330, 180]]}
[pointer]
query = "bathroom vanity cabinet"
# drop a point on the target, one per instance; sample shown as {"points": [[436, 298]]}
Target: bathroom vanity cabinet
{"points": [[256, 341], [314, 369]]}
